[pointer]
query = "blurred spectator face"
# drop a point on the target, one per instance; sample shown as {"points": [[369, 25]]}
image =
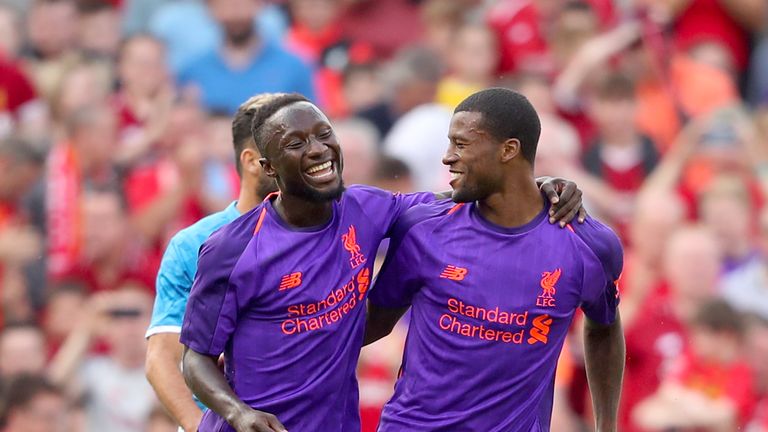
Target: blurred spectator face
{"points": [[10, 39], [186, 121], [657, 216], [537, 90], [728, 216], [441, 19], [52, 26], [714, 346], [362, 87], [142, 68], [105, 227], [613, 107], [128, 319], [63, 304], [22, 350], [411, 79], [359, 140], [43, 413], [83, 86], [99, 31], [96, 138], [714, 54], [316, 15], [236, 18], [220, 142], [692, 263], [17, 174], [475, 54], [575, 25]]}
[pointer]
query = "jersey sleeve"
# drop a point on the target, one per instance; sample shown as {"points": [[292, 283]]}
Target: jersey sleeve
{"points": [[212, 311], [602, 270], [174, 280], [398, 281], [385, 207]]}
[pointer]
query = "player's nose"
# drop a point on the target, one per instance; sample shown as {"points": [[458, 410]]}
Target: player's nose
{"points": [[450, 157]]}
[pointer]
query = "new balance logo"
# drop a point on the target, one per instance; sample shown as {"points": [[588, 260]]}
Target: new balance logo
{"points": [[454, 273], [540, 329], [289, 281]]}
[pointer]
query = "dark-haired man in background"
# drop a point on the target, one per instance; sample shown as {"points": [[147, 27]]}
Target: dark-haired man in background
{"points": [[494, 288], [178, 267]]}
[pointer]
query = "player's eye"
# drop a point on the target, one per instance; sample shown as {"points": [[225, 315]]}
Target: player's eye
{"points": [[325, 134], [294, 144]]}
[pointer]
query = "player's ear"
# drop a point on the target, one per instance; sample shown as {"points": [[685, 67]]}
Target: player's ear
{"points": [[510, 149], [269, 170], [250, 161]]}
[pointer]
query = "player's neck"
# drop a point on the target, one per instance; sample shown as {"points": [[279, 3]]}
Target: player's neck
{"points": [[516, 205], [301, 213], [247, 199]]}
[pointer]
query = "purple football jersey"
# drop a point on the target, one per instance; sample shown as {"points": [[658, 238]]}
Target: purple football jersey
{"points": [[491, 307], [286, 306]]}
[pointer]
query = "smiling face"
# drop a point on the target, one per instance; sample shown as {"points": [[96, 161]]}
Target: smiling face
{"points": [[473, 158], [303, 154]]}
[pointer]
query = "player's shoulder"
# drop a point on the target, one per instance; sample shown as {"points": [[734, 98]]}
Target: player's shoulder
{"points": [[195, 234], [232, 238], [601, 240]]}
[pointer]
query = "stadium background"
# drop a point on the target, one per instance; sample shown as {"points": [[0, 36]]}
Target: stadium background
{"points": [[114, 134]]}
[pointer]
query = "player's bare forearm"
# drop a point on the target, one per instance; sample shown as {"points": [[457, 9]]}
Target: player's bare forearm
{"points": [[207, 382], [162, 365], [604, 351], [380, 321]]}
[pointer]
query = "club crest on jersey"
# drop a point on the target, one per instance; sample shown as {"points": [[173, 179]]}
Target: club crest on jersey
{"points": [[548, 290], [349, 240]]}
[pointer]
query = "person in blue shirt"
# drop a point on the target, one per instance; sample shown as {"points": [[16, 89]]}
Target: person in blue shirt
{"points": [[245, 63], [178, 267]]}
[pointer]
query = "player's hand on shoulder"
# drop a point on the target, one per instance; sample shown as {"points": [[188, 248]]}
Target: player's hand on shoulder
{"points": [[257, 421], [565, 197]]}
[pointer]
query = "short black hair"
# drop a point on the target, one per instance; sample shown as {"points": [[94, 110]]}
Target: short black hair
{"points": [[506, 114], [262, 108], [21, 390]]}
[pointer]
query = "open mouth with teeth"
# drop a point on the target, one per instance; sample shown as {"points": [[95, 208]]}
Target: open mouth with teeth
{"points": [[455, 175], [321, 172]]}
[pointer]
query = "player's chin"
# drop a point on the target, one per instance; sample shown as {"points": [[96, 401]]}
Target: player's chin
{"points": [[327, 193], [462, 195]]}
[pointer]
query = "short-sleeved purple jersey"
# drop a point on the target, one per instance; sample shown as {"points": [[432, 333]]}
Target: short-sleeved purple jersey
{"points": [[491, 307], [287, 308]]}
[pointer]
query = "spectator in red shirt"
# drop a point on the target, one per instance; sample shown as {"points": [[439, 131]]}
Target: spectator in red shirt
{"points": [[620, 156], [110, 253], [83, 161], [167, 191], [725, 24], [18, 100], [21, 287], [316, 37], [145, 98], [710, 387], [658, 335]]}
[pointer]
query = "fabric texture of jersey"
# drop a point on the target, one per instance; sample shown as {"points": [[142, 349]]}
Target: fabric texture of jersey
{"points": [[177, 271], [286, 306], [491, 307]]}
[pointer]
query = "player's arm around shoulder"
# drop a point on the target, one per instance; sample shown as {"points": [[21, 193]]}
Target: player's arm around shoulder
{"points": [[604, 345], [398, 280], [164, 349]]}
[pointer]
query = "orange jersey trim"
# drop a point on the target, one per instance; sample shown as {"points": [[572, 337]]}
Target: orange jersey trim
{"points": [[455, 208], [260, 221]]}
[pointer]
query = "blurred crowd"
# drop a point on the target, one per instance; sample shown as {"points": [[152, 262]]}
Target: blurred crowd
{"points": [[115, 132]]}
